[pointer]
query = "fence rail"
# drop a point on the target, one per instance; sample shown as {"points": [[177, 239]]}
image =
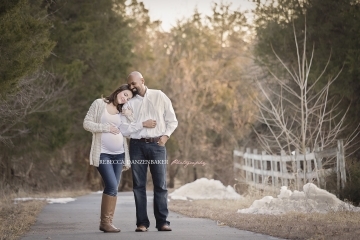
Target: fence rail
{"points": [[264, 170]]}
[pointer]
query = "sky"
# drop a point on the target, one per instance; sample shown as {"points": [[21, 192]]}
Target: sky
{"points": [[168, 11]]}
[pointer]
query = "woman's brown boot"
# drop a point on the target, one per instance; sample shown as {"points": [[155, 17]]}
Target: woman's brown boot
{"points": [[108, 204]]}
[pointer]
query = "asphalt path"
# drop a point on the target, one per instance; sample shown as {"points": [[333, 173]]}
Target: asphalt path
{"points": [[80, 220]]}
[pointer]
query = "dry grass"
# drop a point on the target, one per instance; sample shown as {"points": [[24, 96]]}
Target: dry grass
{"points": [[16, 219], [335, 225]]}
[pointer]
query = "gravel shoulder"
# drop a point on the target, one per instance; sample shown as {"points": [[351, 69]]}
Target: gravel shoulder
{"points": [[316, 226]]}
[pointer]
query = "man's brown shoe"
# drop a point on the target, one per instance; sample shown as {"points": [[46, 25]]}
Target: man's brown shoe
{"points": [[165, 228], [141, 229]]}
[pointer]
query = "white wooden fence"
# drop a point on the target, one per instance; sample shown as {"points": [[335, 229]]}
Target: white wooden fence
{"points": [[264, 171]]}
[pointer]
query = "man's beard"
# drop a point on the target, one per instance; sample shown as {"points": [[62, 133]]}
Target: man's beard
{"points": [[135, 91]]}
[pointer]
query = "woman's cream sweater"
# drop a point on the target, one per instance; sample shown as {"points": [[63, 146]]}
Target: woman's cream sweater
{"points": [[93, 124]]}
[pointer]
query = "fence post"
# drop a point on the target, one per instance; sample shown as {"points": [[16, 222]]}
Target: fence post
{"points": [[308, 163], [247, 164], [255, 166], [318, 165], [263, 169], [275, 170], [298, 166], [341, 164], [338, 171], [294, 169], [243, 172], [234, 162], [284, 180], [272, 173]]}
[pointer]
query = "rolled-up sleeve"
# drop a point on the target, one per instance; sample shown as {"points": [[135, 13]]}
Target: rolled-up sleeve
{"points": [[169, 116], [128, 127]]}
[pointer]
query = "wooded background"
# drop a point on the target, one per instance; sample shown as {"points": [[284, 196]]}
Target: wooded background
{"points": [[56, 57]]}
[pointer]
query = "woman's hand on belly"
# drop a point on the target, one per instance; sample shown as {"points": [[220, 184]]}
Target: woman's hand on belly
{"points": [[114, 130]]}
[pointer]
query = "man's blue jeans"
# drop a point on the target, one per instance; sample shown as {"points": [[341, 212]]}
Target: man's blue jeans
{"points": [[110, 168], [149, 151]]}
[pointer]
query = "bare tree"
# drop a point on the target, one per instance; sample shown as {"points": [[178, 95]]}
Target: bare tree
{"points": [[34, 94], [210, 97], [296, 115]]}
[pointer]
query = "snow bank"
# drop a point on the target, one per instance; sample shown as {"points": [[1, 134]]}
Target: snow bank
{"points": [[204, 188], [49, 200], [311, 199]]}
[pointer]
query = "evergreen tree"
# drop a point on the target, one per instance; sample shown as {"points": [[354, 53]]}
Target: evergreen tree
{"points": [[24, 41], [91, 57], [92, 54]]}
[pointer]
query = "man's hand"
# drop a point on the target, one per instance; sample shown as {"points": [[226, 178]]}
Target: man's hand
{"points": [[125, 168], [114, 130], [150, 123], [163, 139]]}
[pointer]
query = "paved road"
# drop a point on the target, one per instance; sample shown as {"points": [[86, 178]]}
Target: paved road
{"points": [[80, 220]]}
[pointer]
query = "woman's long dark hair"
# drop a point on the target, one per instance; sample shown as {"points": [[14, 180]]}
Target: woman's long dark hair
{"points": [[113, 99]]}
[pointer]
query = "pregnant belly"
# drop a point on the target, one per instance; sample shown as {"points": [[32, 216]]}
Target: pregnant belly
{"points": [[112, 143]]}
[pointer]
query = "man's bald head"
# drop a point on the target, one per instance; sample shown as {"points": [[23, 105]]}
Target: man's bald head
{"points": [[136, 82], [135, 75]]}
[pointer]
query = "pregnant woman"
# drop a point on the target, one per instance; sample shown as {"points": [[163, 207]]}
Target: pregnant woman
{"points": [[108, 149]]}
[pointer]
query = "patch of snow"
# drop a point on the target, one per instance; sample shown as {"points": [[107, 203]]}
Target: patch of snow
{"points": [[174, 197], [49, 200], [60, 200], [204, 188], [311, 199]]}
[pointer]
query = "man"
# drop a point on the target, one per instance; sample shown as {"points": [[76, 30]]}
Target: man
{"points": [[152, 124]]}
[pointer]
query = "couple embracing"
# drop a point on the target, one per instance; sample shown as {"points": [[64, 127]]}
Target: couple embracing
{"points": [[148, 118]]}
